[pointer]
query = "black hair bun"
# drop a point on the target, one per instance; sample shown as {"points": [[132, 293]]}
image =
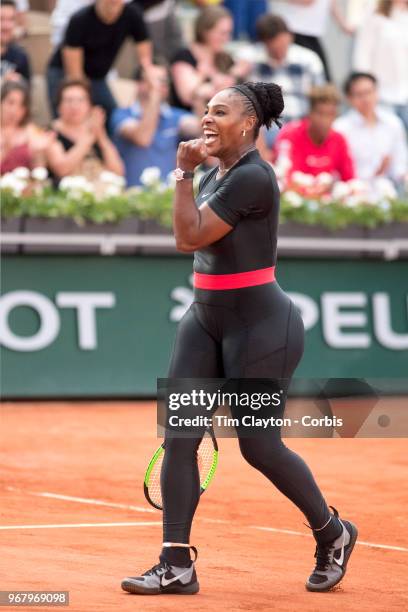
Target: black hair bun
{"points": [[270, 98]]}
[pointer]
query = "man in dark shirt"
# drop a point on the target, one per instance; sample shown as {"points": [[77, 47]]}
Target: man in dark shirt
{"points": [[14, 60], [91, 43]]}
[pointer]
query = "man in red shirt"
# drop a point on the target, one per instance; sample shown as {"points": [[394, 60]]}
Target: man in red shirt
{"points": [[311, 145]]}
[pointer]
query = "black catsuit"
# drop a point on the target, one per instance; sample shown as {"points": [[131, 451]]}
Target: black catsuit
{"points": [[250, 332]]}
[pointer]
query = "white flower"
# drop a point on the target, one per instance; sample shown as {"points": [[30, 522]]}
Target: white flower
{"points": [[340, 190], [112, 178], [383, 188], [106, 176], [13, 183], [113, 190], [7, 181], [73, 182], [359, 186], [150, 176], [76, 186], [39, 173], [305, 180], [352, 201], [293, 198], [324, 179], [21, 173], [88, 188], [67, 183], [64, 183]]}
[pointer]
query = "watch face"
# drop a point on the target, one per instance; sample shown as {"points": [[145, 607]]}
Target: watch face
{"points": [[178, 174]]}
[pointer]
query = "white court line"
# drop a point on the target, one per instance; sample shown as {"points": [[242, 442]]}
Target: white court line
{"points": [[98, 502], [83, 500], [307, 535], [75, 525], [386, 546], [276, 530]]}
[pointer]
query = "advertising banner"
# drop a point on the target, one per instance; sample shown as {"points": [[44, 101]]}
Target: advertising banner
{"points": [[103, 326]]}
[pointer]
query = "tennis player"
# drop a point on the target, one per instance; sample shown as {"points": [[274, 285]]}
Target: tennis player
{"points": [[240, 325]]}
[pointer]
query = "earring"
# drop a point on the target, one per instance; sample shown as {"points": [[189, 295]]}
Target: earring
{"points": [[243, 133]]}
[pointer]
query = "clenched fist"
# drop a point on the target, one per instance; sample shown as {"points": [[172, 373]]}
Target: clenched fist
{"points": [[191, 153]]}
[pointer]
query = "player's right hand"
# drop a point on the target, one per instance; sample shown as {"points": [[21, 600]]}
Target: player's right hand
{"points": [[191, 153]]}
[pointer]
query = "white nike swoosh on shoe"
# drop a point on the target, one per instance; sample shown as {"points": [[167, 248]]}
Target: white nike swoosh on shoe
{"points": [[340, 560], [165, 582]]}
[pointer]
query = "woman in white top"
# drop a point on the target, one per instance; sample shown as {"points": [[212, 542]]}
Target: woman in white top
{"points": [[382, 50]]}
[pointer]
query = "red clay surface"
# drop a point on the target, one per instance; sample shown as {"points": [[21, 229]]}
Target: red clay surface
{"points": [[99, 451]]}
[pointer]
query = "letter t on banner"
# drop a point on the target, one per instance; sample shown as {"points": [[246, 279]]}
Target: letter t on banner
{"points": [[86, 304]]}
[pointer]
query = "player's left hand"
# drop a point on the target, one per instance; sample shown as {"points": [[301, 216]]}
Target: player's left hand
{"points": [[191, 153]]}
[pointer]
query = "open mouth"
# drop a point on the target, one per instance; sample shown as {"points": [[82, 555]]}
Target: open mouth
{"points": [[209, 137]]}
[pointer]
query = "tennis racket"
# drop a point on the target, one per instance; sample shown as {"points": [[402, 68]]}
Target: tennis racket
{"points": [[207, 459]]}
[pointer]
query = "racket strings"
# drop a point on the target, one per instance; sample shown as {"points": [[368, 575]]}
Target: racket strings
{"points": [[205, 460], [154, 482], [205, 457]]}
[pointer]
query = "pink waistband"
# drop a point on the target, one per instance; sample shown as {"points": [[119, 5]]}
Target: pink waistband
{"points": [[234, 281]]}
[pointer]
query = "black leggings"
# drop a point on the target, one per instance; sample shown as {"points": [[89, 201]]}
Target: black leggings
{"points": [[244, 333]]}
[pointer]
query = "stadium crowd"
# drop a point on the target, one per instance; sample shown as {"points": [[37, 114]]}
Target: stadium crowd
{"points": [[357, 133]]}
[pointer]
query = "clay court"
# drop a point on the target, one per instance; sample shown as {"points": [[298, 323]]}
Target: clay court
{"points": [[73, 516]]}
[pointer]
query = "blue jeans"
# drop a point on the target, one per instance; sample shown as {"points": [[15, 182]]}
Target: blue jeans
{"points": [[101, 94], [245, 13]]}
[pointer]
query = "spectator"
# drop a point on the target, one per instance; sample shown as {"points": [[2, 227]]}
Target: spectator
{"points": [[382, 50], [159, 16], [22, 144], [14, 60], [245, 15], [163, 26], [307, 19], [375, 136], [205, 61], [293, 67], [81, 145], [311, 144], [92, 40], [60, 16], [148, 133]]}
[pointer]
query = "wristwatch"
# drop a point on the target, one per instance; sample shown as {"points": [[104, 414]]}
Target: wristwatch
{"points": [[180, 174]]}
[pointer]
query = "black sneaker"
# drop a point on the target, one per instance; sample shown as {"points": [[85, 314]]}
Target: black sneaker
{"points": [[164, 578], [332, 558]]}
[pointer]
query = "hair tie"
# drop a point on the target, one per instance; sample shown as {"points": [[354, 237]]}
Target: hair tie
{"points": [[245, 91]]}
